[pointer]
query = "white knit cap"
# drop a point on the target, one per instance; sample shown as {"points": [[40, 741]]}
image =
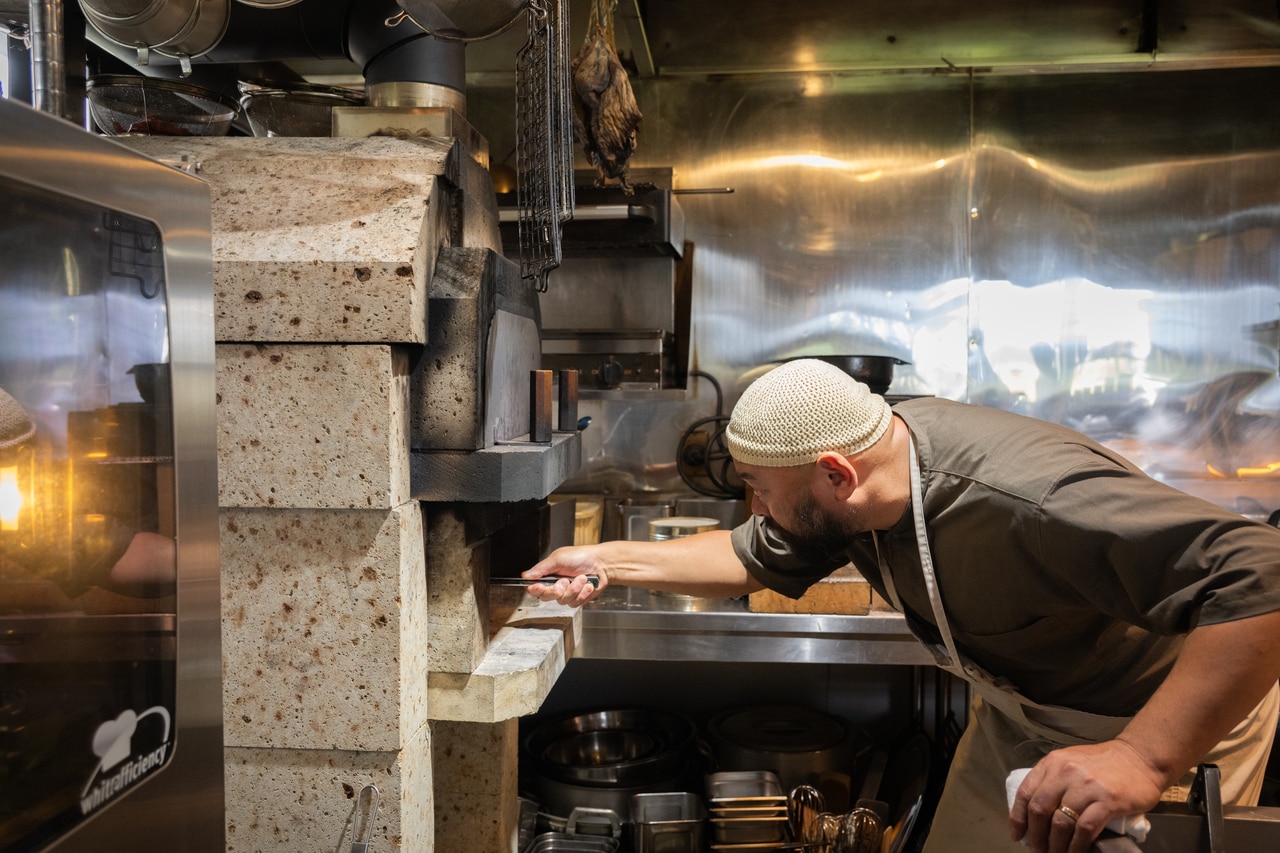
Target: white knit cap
{"points": [[802, 409]]}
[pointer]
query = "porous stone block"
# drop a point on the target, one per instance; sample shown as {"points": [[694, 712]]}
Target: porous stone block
{"points": [[321, 239], [324, 628], [301, 800], [475, 768], [312, 426], [471, 386], [457, 566]]}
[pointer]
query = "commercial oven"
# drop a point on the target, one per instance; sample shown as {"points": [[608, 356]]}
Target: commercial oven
{"points": [[110, 653]]}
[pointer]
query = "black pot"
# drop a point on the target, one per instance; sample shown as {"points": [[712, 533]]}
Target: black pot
{"points": [[152, 381], [875, 371]]}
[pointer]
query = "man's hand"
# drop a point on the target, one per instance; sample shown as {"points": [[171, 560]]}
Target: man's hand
{"points": [[570, 564], [1096, 783]]}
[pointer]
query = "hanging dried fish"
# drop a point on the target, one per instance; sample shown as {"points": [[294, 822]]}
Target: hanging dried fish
{"points": [[605, 115]]}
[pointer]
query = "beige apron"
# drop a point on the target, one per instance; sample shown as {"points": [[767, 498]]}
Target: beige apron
{"points": [[1007, 731]]}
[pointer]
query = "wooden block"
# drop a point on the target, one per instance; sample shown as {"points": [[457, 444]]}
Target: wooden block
{"points": [[844, 592]]}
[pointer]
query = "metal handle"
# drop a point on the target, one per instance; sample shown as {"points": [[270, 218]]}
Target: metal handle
{"points": [[594, 580], [596, 213], [366, 809]]}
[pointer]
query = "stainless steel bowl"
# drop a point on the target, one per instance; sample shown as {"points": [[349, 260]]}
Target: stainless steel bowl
{"points": [[131, 104], [293, 109], [612, 748]]}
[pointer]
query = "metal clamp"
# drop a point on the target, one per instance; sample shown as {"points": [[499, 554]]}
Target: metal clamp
{"points": [[1205, 798], [18, 32]]}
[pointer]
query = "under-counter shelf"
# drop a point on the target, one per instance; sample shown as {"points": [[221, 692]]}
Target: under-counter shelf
{"points": [[629, 624]]}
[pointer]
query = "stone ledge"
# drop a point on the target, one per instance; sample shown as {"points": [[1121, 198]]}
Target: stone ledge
{"points": [[506, 472], [525, 656], [326, 239]]}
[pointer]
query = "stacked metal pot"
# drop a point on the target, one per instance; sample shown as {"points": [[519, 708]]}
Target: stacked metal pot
{"points": [[599, 760]]}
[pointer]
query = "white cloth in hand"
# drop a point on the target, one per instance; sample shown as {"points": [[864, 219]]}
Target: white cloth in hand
{"points": [[1135, 826]]}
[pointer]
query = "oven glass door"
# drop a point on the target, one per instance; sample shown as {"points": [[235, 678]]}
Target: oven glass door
{"points": [[87, 547]]}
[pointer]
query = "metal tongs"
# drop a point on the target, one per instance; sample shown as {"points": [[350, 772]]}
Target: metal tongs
{"points": [[362, 819], [594, 580]]}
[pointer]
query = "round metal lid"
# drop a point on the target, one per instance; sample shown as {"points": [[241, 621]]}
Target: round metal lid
{"points": [[778, 728], [677, 527]]}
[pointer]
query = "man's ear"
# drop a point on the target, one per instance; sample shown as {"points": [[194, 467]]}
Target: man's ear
{"points": [[836, 473]]}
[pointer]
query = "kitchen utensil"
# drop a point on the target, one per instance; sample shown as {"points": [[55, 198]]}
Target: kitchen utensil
{"points": [[293, 109], [131, 104], [594, 580], [905, 780], [366, 809], [624, 747], [544, 139], [804, 804], [824, 831], [175, 28], [668, 823], [152, 381], [748, 830], [776, 807], [860, 832], [797, 744], [875, 371], [757, 786], [678, 527]]}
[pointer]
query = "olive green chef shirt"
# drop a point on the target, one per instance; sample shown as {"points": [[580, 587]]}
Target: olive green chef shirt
{"points": [[1062, 567]]}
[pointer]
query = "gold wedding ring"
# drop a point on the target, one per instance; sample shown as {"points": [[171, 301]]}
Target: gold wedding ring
{"points": [[1069, 812]]}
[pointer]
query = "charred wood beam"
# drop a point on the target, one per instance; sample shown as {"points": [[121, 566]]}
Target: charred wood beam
{"points": [[1148, 33]]}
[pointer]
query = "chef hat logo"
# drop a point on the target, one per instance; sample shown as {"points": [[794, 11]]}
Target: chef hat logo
{"points": [[113, 741]]}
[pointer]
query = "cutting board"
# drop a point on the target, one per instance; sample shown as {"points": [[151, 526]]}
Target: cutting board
{"points": [[843, 592]]}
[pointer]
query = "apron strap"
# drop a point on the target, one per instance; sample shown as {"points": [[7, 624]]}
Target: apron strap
{"points": [[926, 559], [1063, 726]]}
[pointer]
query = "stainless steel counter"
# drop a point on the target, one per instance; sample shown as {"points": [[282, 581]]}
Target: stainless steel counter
{"points": [[629, 624]]}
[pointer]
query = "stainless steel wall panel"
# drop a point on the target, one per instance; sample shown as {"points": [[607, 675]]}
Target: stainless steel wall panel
{"points": [[1120, 252], [756, 34], [1199, 28], [1084, 247]]}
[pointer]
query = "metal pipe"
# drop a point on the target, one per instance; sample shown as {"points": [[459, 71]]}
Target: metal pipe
{"points": [[48, 69]]}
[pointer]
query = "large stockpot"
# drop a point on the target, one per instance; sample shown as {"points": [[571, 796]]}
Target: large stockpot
{"points": [[800, 745]]}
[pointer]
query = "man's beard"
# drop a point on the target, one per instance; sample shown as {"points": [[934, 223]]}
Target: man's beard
{"points": [[819, 533]]}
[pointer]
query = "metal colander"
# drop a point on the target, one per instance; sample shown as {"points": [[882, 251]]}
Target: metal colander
{"points": [[293, 109], [126, 104]]}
